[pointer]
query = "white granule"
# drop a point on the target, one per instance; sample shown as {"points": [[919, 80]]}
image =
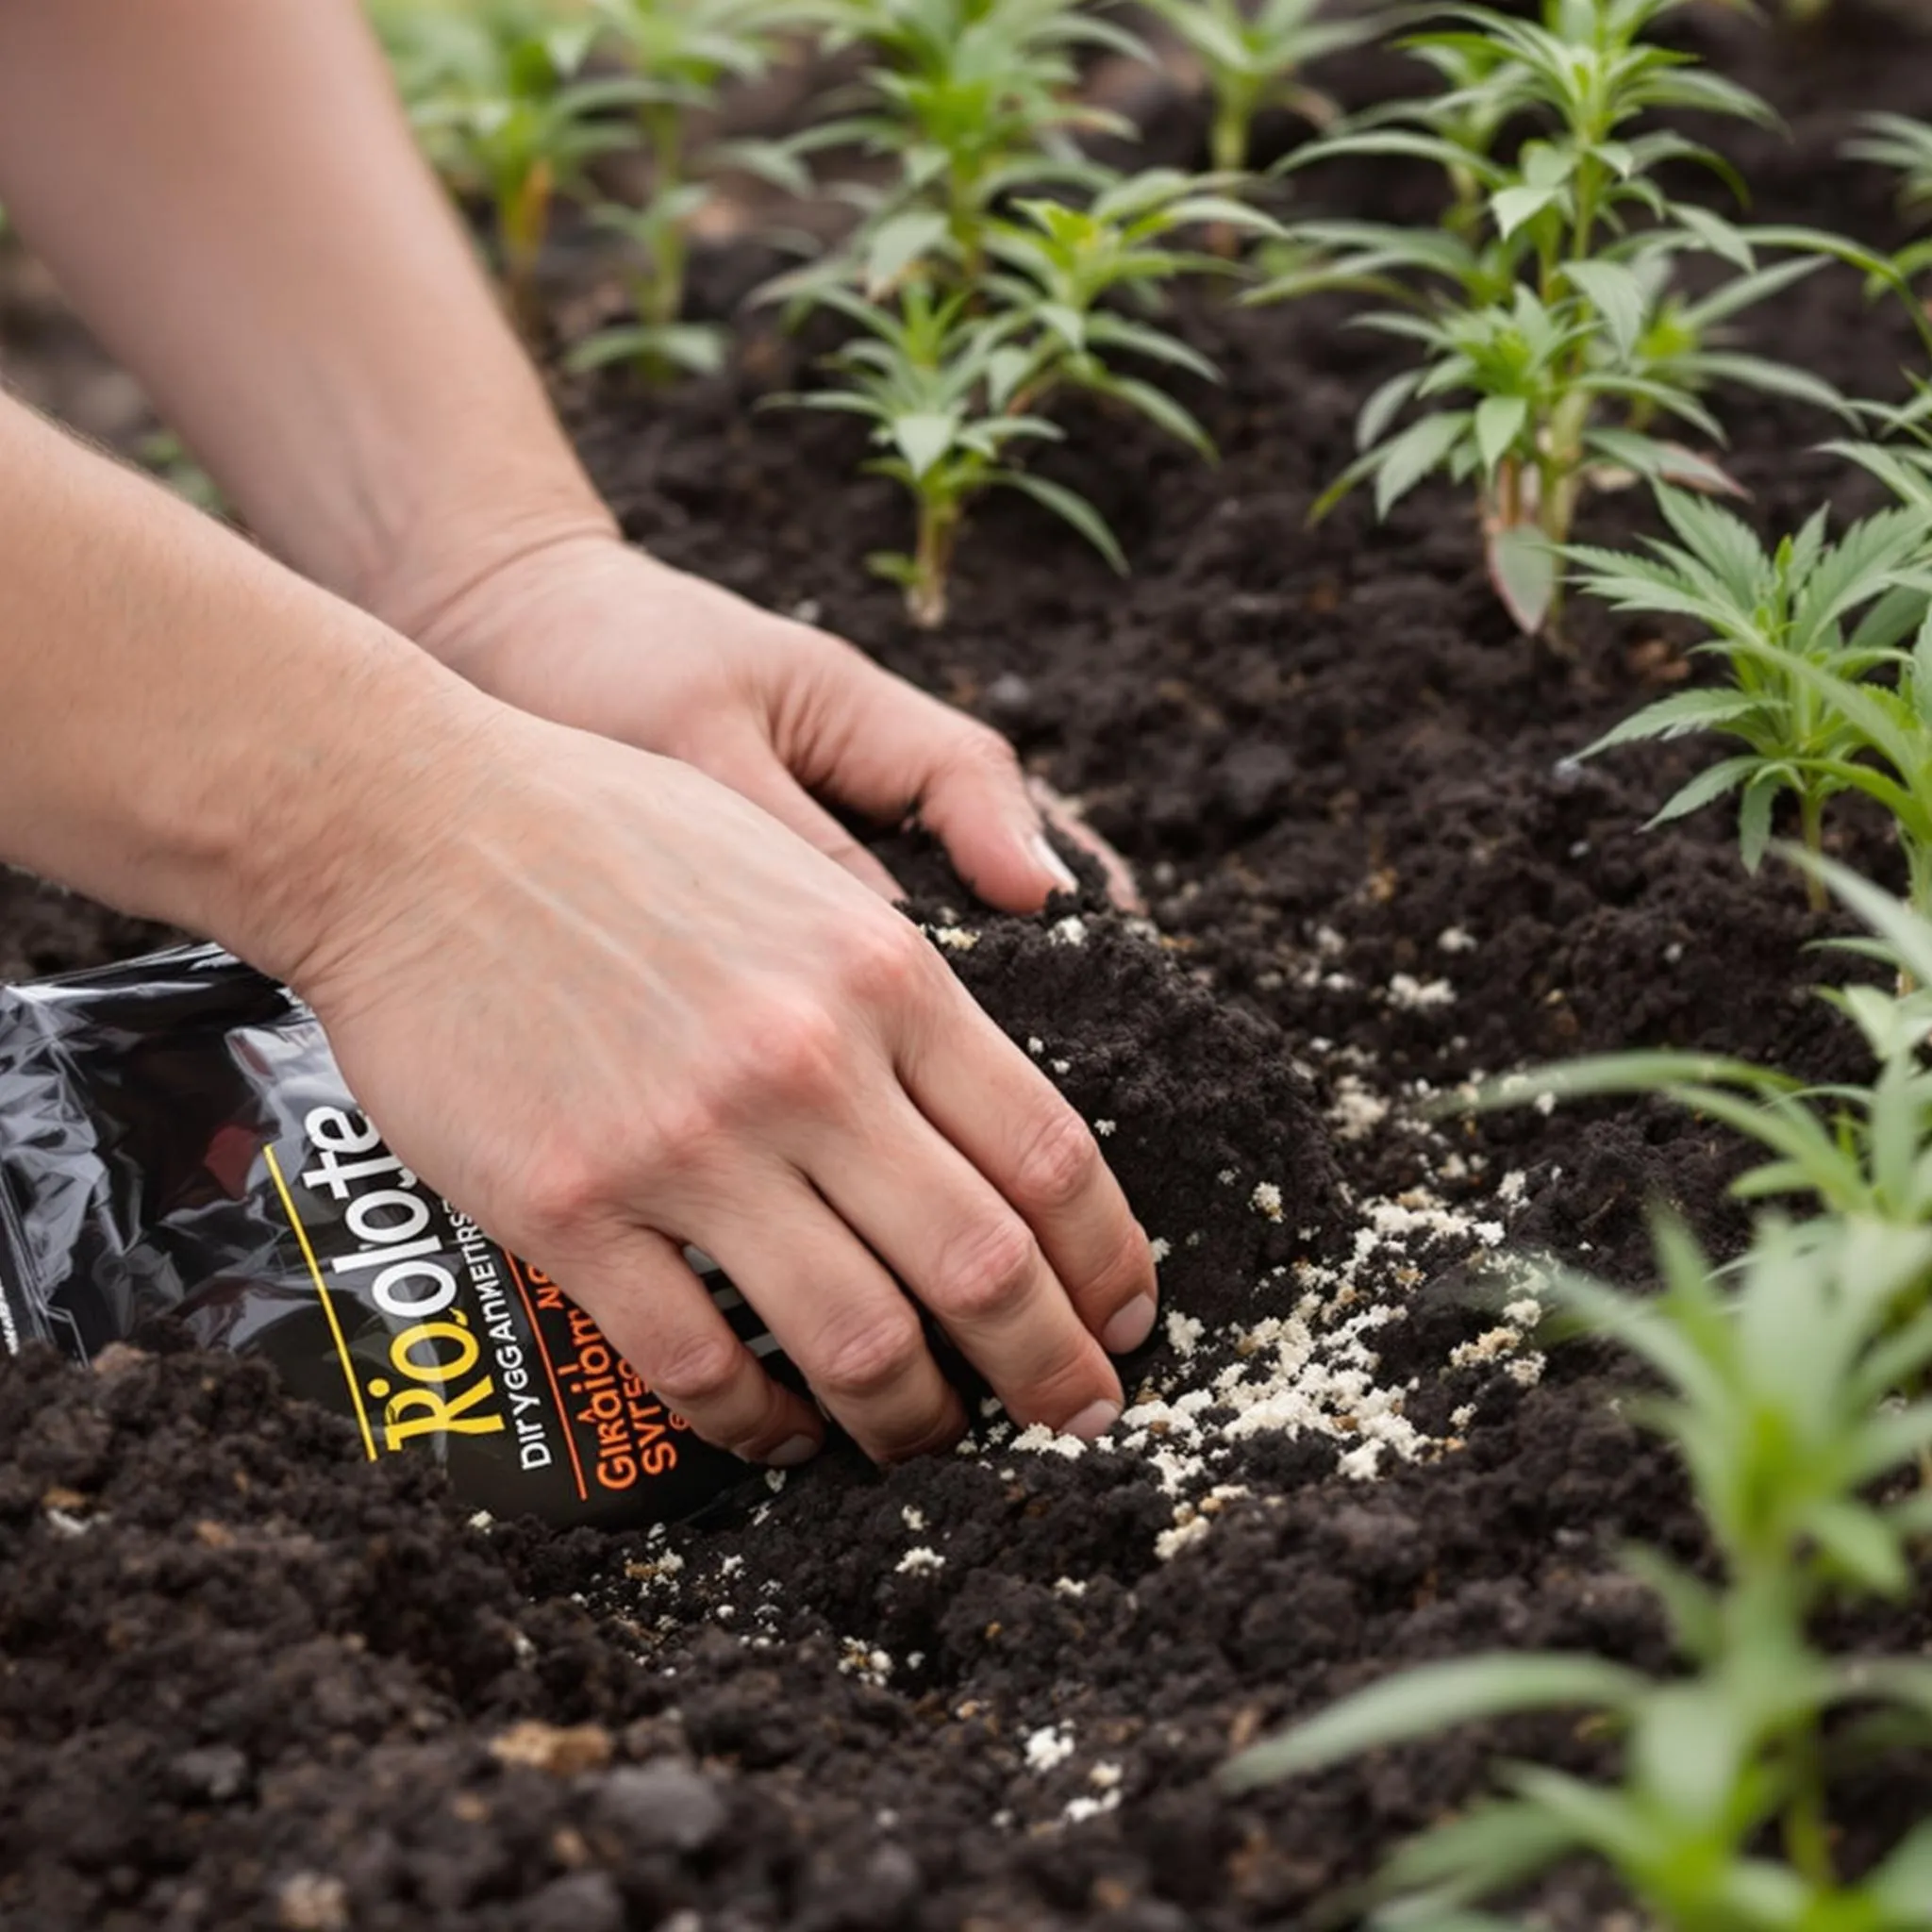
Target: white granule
{"points": [[1266, 1199], [775, 1480], [918, 1561], [1078, 1810], [1459, 1419], [481, 1520], [1356, 1112], [957, 938], [1105, 1775], [1070, 1585], [1526, 1369], [1160, 1248], [1184, 1332], [1510, 1188], [857, 1658], [914, 1519], [1048, 1747], [1034, 1046], [1525, 1313], [730, 1565], [1038, 1440], [1106, 1129], [1453, 939], [1063, 1067], [1071, 931], [1360, 1464], [1187, 1530], [1487, 1347], [1545, 1105], [1227, 1176], [1416, 995]]}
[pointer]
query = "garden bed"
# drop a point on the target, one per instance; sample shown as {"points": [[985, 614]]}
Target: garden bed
{"points": [[248, 1680]]}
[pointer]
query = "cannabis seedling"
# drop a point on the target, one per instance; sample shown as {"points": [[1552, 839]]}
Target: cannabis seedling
{"points": [[494, 91], [1254, 58], [1903, 145], [680, 55], [934, 381], [1551, 341], [1777, 1404], [973, 101], [1063, 273], [1795, 629]]}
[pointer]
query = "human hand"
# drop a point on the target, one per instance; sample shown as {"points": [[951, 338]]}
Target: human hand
{"points": [[589, 632], [609, 1007]]}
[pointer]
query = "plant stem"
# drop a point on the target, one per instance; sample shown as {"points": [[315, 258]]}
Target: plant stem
{"points": [[932, 560], [1811, 832], [664, 128], [522, 220]]}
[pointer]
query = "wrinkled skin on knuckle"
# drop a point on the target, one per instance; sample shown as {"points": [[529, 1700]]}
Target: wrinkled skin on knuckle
{"points": [[985, 1271], [693, 1373], [887, 962], [983, 751], [859, 1356], [561, 1193], [1058, 1161], [1126, 1272], [793, 1056]]}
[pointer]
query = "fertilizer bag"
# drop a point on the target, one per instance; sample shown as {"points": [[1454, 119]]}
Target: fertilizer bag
{"points": [[175, 1140]]}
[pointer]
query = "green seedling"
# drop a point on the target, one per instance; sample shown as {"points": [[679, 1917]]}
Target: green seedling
{"points": [[1775, 1399], [494, 91], [1903, 145], [1552, 340], [1254, 58], [1062, 273], [936, 383], [681, 54], [1795, 629], [975, 102]]}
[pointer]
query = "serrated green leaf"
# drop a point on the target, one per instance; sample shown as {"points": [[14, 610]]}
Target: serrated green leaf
{"points": [[1400, 464], [1617, 296]]}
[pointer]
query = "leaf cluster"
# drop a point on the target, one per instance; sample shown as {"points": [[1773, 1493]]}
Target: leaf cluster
{"points": [[1775, 1399], [972, 102], [1903, 145], [1253, 58], [1802, 631], [496, 93], [679, 55], [953, 382], [1554, 345]]}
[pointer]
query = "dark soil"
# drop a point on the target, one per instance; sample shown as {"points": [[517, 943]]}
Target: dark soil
{"points": [[246, 1680]]}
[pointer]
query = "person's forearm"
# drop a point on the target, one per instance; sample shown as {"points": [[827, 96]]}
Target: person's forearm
{"points": [[188, 729], [227, 189]]}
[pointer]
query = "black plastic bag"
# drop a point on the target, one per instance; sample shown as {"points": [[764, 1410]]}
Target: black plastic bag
{"points": [[175, 1140]]}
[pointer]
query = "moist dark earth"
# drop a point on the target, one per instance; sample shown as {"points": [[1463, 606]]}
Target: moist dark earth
{"points": [[246, 1680]]}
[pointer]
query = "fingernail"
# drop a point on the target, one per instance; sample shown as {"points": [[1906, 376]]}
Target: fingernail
{"points": [[1130, 1326], [793, 1450], [1053, 863], [1093, 1420]]}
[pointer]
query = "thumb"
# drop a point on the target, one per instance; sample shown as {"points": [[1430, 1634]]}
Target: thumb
{"points": [[974, 799], [884, 748]]}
